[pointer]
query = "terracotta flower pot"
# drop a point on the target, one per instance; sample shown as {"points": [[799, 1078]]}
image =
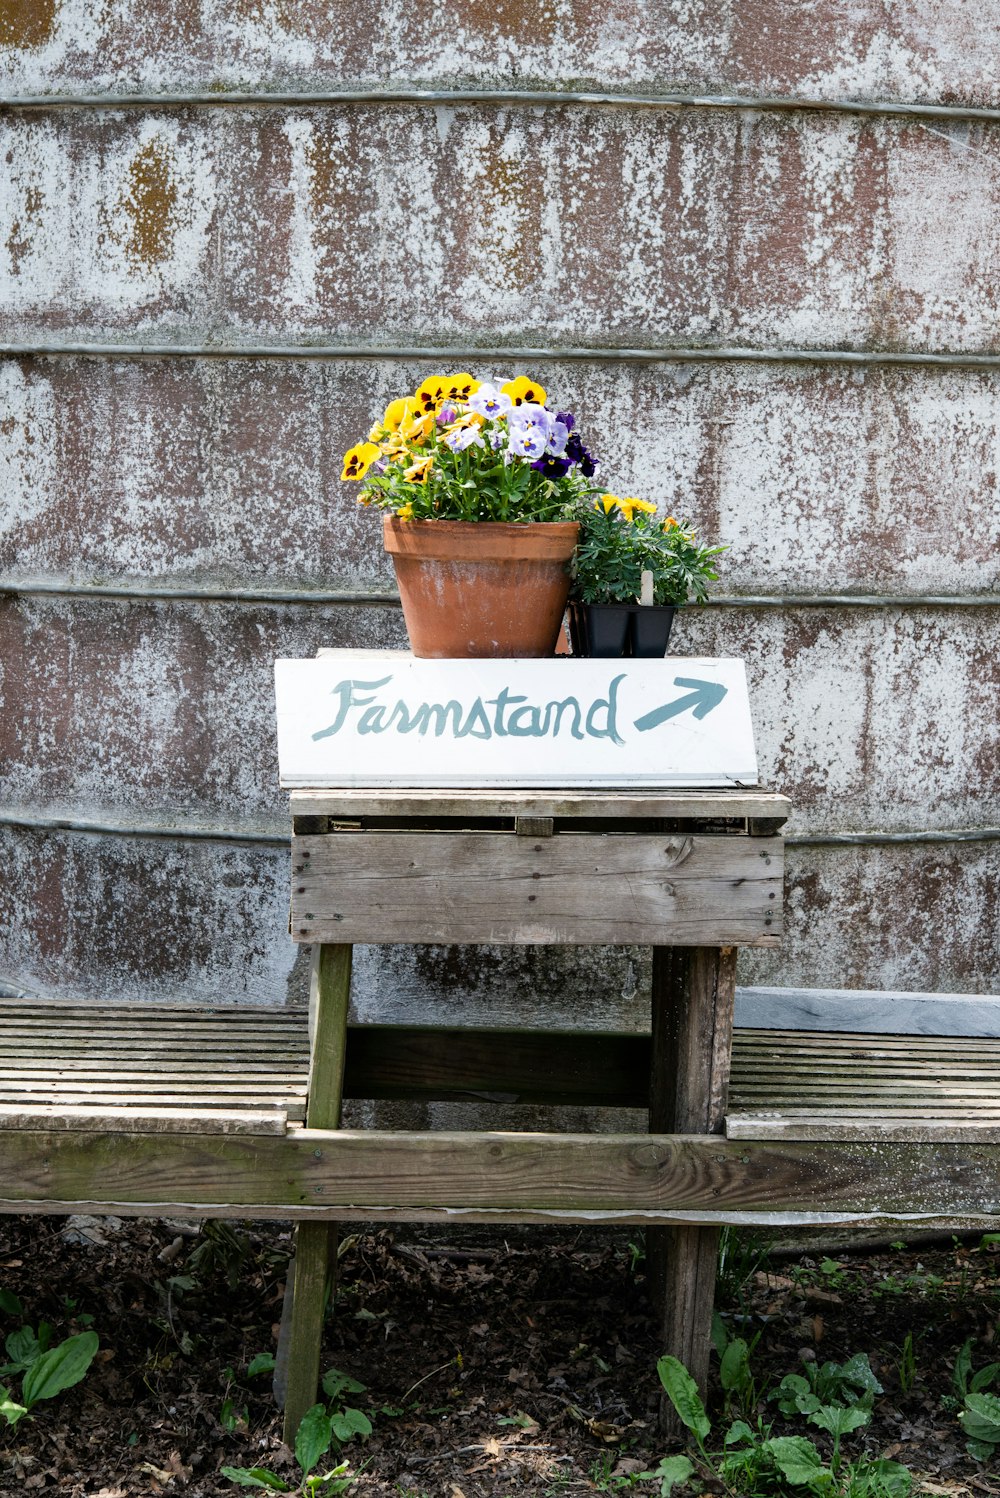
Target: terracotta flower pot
{"points": [[481, 588]]}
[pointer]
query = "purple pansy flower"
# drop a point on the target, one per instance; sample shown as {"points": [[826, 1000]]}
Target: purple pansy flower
{"points": [[529, 426], [553, 468], [577, 453], [490, 402], [527, 442], [558, 436], [463, 438]]}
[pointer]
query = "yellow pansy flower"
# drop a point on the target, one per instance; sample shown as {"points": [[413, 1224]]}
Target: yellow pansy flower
{"points": [[405, 512], [418, 471], [418, 428], [358, 460], [458, 387], [394, 448], [430, 393], [524, 391], [396, 412]]}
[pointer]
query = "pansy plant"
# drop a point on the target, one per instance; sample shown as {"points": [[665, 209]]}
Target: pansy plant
{"points": [[459, 448]]}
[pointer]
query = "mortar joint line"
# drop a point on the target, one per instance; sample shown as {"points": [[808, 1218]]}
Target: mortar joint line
{"points": [[507, 98]]}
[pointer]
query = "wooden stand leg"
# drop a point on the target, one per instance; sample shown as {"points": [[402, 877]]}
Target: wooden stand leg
{"points": [[693, 995], [316, 1242]]}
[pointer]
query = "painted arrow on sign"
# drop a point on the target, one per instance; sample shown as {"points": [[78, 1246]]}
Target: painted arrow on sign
{"points": [[705, 696]]}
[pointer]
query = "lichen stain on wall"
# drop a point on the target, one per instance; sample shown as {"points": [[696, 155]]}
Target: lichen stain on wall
{"points": [[150, 203], [511, 203], [27, 23], [19, 240]]}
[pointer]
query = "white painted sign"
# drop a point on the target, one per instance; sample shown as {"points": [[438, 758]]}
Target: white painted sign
{"points": [[382, 717]]}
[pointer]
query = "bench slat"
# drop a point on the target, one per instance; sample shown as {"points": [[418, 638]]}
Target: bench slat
{"points": [[825, 1086], [159, 1120], [159, 1069]]}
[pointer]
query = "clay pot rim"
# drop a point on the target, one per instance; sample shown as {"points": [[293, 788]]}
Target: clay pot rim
{"points": [[482, 540]]}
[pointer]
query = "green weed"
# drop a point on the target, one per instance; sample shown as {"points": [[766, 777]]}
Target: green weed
{"points": [[754, 1462], [907, 1371], [851, 1383], [323, 1427], [45, 1370]]}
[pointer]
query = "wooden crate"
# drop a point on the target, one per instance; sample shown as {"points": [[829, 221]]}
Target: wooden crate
{"points": [[589, 868]]}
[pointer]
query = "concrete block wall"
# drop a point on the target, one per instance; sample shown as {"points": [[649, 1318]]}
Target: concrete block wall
{"points": [[751, 244]]}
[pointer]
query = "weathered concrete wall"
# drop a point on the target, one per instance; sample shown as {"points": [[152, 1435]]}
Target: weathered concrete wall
{"points": [[926, 50], [276, 234], [821, 479], [867, 719], [420, 224]]}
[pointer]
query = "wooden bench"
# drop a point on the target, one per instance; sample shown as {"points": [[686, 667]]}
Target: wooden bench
{"points": [[155, 1110]]}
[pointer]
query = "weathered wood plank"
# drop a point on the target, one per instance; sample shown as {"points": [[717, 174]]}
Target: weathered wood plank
{"points": [[619, 804], [842, 1087], [329, 1001], [300, 1336], [571, 889], [692, 1027], [94, 1011], [150, 1070], [351, 1174], [868, 1011], [692, 1015], [957, 1129], [316, 1243], [105, 1118], [101, 1097], [17, 1067], [876, 441], [731, 187], [846, 1042]]}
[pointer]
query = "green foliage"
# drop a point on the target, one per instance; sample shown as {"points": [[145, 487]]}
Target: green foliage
{"points": [[754, 1462], [59, 1368], [321, 1428], [682, 1391], [478, 485], [741, 1255], [671, 1471], [851, 1383], [256, 1477], [618, 544], [46, 1370], [907, 1364], [962, 1376], [221, 1250], [735, 1373], [980, 1419], [231, 1417]]}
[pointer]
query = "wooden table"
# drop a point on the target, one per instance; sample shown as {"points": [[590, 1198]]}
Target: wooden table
{"points": [[693, 874]]}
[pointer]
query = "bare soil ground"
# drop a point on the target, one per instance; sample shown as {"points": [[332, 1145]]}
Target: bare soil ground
{"points": [[495, 1364]]}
